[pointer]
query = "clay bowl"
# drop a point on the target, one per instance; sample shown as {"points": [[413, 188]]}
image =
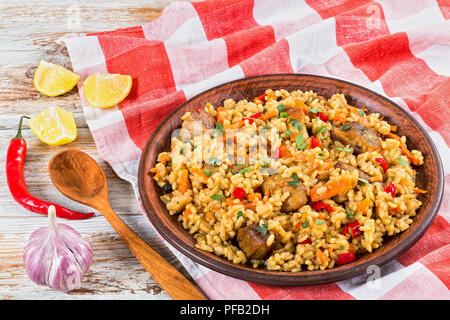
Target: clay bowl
{"points": [[430, 177]]}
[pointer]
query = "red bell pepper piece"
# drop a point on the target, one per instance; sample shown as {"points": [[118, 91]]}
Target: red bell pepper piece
{"points": [[315, 142], [256, 115], [383, 163], [345, 258], [262, 97], [354, 229], [239, 193], [250, 121], [277, 153], [322, 116], [306, 241], [321, 205], [391, 189]]}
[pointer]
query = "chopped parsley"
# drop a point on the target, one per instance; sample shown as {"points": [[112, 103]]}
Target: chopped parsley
{"points": [[345, 127], [305, 224], [214, 162], [361, 113], [245, 170], [266, 128], [402, 161], [321, 129], [315, 110], [207, 173], [264, 111], [344, 149], [294, 183], [219, 129], [322, 138], [296, 124], [181, 150], [363, 181], [320, 156], [295, 176], [281, 108], [217, 197], [320, 222], [283, 115], [240, 214], [364, 130], [288, 133], [262, 229], [350, 214], [300, 142]]}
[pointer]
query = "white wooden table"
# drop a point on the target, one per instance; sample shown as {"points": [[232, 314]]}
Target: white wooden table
{"points": [[28, 30]]}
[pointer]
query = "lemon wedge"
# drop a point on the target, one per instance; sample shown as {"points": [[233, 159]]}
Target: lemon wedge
{"points": [[54, 126], [53, 80], [104, 90]]}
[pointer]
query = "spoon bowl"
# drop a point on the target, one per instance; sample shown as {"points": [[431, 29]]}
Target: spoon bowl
{"points": [[76, 175]]}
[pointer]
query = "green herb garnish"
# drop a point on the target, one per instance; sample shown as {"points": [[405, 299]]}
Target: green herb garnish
{"points": [[315, 110], [344, 149], [240, 214], [361, 113], [207, 173], [295, 176], [349, 213], [243, 171], [319, 222], [305, 224], [321, 129], [217, 197], [345, 127], [264, 111], [288, 133], [262, 229], [281, 108], [214, 162], [402, 161], [363, 181], [181, 150], [320, 156], [283, 115], [300, 142], [296, 124], [219, 129], [322, 138], [294, 183]]}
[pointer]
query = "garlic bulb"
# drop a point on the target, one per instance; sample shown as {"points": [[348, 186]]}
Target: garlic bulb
{"points": [[57, 255]]}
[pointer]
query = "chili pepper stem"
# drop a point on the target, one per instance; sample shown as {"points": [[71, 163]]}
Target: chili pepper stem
{"points": [[19, 131]]}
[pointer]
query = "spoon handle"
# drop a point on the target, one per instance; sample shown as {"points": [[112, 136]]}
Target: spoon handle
{"points": [[169, 278]]}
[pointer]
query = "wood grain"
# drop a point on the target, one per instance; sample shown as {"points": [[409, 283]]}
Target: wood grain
{"points": [[28, 30]]}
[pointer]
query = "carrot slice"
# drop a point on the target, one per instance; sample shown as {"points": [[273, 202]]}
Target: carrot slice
{"points": [[322, 257], [364, 205], [331, 189], [404, 148], [269, 114], [184, 183], [252, 197]]}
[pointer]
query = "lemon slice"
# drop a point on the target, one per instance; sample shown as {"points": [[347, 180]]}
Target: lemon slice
{"points": [[103, 90], [54, 126], [53, 80]]}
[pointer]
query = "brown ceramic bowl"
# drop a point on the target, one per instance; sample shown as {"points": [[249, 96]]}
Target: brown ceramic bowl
{"points": [[429, 177]]}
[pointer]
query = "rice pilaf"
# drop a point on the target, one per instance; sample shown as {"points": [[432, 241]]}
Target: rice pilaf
{"points": [[289, 181]]}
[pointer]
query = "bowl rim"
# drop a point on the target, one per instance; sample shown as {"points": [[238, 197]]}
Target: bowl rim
{"points": [[303, 277]]}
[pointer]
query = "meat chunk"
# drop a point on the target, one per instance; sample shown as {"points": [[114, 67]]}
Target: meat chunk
{"points": [[297, 191], [361, 139], [299, 115], [344, 166], [253, 243], [199, 117]]}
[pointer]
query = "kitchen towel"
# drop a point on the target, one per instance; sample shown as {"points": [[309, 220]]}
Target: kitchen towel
{"points": [[398, 48]]}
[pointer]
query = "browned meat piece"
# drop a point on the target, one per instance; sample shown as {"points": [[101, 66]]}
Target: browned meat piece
{"points": [[344, 166], [253, 243], [298, 114], [199, 118], [297, 193], [362, 139]]}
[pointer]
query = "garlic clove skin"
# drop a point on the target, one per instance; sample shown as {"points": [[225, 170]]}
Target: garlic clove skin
{"points": [[57, 255]]}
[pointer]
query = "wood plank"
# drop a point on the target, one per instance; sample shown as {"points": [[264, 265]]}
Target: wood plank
{"points": [[28, 33]]}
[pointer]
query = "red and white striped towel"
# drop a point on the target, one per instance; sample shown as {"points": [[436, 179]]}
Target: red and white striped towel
{"points": [[398, 48]]}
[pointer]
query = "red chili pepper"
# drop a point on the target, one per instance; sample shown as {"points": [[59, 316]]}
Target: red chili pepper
{"points": [[354, 229], [322, 116], [262, 97], [315, 142], [383, 163], [239, 193], [306, 241], [15, 162], [250, 121], [345, 258], [277, 153], [256, 115], [320, 205], [391, 189], [198, 108]]}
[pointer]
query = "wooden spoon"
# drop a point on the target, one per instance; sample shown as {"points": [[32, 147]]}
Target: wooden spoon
{"points": [[80, 178]]}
